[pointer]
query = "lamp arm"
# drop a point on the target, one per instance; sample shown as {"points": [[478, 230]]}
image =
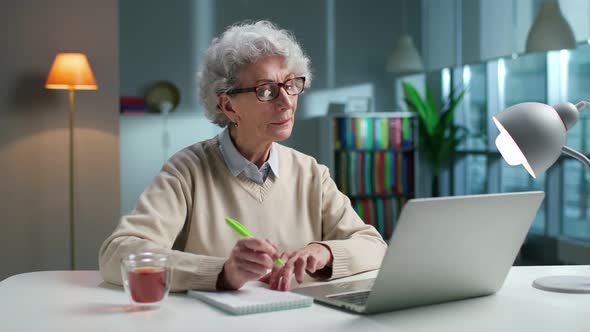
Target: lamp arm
{"points": [[576, 155]]}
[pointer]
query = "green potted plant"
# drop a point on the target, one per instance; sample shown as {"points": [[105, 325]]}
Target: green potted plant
{"points": [[439, 135]]}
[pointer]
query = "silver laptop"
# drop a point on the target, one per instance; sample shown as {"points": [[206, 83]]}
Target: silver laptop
{"points": [[442, 249]]}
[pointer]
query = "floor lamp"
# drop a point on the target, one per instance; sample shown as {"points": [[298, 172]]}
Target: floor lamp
{"points": [[71, 71], [533, 135]]}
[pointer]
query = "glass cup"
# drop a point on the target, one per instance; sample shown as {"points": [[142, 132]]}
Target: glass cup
{"points": [[146, 278]]}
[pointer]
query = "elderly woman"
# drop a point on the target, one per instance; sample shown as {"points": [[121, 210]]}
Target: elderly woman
{"points": [[250, 80]]}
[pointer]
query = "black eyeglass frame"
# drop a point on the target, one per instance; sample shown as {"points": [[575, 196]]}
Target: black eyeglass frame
{"points": [[280, 85]]}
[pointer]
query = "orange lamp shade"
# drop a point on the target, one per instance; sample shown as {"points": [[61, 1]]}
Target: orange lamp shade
{"points": [[71, 71]]}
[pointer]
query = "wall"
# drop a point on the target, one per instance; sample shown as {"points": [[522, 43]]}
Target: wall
{"points": [[148, 140], [34, 232], [156, 43], [576, 13], [160, 43], [348, 41], [366, 34], [440, 20]]}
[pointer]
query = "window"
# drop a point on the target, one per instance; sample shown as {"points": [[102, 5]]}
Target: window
{"points": [[477, 166], [575, 177], [524, 80], [472, 157]]}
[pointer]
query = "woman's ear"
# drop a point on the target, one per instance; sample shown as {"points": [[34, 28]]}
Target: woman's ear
{"points": [[225, 105]]}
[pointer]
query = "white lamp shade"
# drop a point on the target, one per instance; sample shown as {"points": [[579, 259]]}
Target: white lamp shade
{"points": [[405, 57], [550, 31], [538, 132]]}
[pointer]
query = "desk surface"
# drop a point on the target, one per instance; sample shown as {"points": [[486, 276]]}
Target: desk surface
{"points": [[80, 301]]}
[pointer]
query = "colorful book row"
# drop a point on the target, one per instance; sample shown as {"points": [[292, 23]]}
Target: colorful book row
{"points": [[132, 105], [381, 213], [376, 172], [373, 133]]}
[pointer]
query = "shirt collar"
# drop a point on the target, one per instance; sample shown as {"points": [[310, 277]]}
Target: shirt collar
{"points": [[236, 162]]}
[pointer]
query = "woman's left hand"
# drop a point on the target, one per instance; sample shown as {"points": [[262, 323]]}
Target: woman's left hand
{"points": [[310, 258]]}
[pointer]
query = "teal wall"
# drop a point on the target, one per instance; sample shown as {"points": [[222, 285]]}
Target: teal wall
{"points": [[348, 42]]}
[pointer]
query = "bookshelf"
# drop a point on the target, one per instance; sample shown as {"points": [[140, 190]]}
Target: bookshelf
{"points": [[372, 158]]}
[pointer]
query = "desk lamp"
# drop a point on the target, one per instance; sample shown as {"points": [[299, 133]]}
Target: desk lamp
{"points": [[71, 71], [533, 135]]}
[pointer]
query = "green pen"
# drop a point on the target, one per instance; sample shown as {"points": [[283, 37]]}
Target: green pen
{"points": [[243, 231]]}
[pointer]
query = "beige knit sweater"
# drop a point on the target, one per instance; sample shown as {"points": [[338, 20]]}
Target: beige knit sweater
{"points": [[182, 213]]}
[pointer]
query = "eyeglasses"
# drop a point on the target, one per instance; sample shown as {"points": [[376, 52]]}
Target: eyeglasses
{"points": [[270, 91]]}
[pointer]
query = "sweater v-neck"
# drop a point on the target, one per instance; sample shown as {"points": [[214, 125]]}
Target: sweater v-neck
{"points": [[258, 192]]}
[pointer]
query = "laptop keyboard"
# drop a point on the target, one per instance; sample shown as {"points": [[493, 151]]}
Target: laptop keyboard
{"points": [[358, 298]]}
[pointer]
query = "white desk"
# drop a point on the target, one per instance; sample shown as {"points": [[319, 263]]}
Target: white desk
{"points": [[80, 301]]}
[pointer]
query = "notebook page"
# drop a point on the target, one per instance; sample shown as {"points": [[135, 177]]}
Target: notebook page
{"points": [[254, 297]]}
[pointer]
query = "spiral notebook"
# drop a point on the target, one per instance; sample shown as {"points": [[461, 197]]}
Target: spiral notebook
{"points": [[252, 298]]}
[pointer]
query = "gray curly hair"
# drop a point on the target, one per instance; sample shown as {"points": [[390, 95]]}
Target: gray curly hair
{"points": [[241, 44]]}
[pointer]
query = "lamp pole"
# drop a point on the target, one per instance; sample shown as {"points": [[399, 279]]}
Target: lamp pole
{"points": [[72, 237], [577, 155]]}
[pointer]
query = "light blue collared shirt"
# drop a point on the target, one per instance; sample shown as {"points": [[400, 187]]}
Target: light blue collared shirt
{"points": [[238, 164]]}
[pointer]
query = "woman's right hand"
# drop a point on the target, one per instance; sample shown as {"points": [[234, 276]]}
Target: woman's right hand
{"points": [[250, 259]]}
